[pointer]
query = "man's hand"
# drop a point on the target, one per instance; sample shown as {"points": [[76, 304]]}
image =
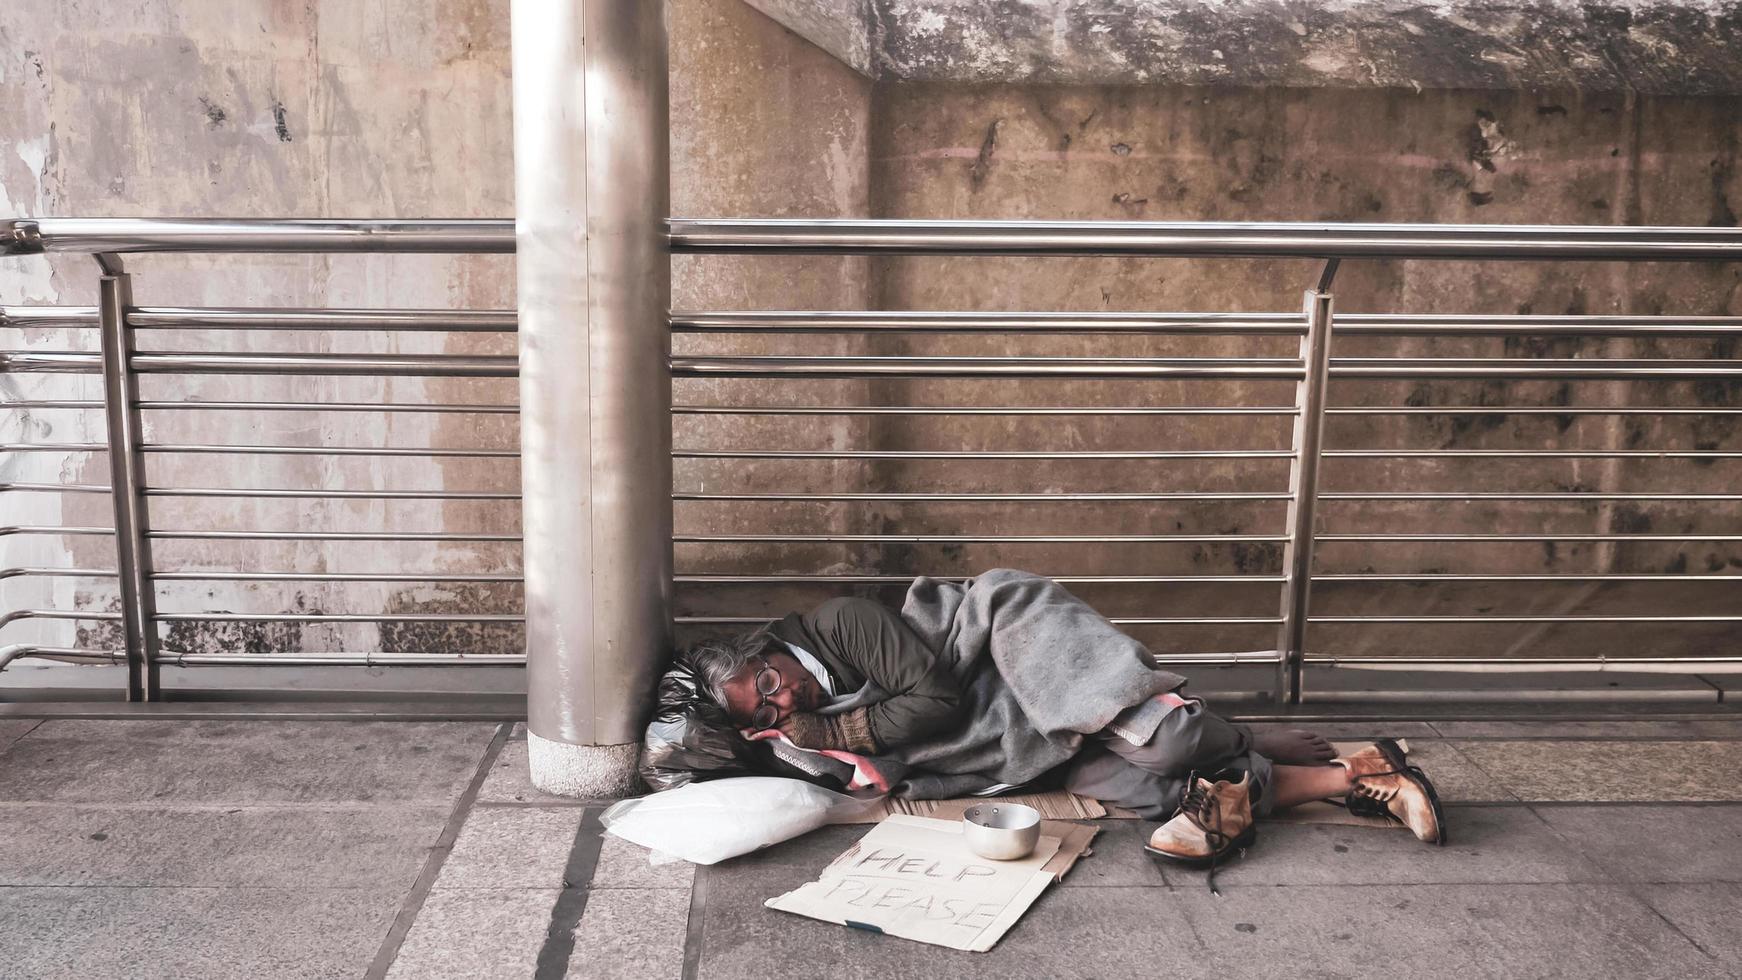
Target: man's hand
{"points": [[811, 731], [849, 732]]}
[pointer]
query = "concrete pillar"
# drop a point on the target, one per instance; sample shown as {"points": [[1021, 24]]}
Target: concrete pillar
{"points": [[591, 177]]}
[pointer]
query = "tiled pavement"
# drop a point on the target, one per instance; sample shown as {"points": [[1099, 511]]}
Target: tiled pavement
{"points": [[171, 849]]}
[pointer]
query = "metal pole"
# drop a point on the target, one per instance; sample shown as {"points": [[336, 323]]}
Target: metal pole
{"points": [[1303, 489], [126, 478], [592, 196]]}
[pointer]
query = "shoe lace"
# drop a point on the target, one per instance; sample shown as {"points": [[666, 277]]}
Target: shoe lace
{"points": [[1203, 809]]}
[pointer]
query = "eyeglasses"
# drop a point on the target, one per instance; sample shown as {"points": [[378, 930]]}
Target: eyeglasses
{"points": [[768, 683]]}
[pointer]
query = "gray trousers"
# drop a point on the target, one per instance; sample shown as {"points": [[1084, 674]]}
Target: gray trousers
{"points": [[1150, 778]]}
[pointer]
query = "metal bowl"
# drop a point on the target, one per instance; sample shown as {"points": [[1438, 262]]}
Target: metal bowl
{"points": [[1001, 831]]}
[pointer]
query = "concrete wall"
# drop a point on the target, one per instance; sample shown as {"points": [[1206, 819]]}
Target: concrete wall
{"points": [[1179, 153], [398, 109], [392, 109]]}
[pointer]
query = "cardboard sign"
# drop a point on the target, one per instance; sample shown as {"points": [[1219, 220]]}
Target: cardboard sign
{"points": [[914, 877]]}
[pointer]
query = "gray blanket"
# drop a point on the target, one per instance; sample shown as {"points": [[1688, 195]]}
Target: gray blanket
{"points": [[1039, 670]]}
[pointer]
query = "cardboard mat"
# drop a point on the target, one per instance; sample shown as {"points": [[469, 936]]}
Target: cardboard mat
{"points": [[1061, 805], [1057, 805]]}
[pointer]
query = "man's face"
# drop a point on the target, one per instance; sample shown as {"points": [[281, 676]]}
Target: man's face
{"points": [[799, 691]]}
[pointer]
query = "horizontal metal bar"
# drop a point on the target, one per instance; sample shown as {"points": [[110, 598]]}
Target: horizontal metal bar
{"points": [[269, 363], [1666, 577], [49, 362], [343, 660], [981, 454], [1526, 619], [1592, 369], [53, 488], [1318, 240], [1527, 410], [883, 236], [906, 321], [18, 651], [453, 236], [51, 529], [984, 367], [1485, 495], [372, 365], [1534, 453], [1283, 410], [275, 494], [251, 406], [189, 575], [1116, 621], [1497, 665], [31, 571], [19, 615], [1533, 325], [325, 536], [243, 450], [269, 318], [227, 617], [48, 317], [729, 579], [1529, 537], [1369, 324], [79, 403], [53, 447], [1051, 498], [926, 321], [981, 538]]}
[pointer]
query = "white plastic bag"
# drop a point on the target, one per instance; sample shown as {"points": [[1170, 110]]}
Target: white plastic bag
{"points": [[711, 821]]}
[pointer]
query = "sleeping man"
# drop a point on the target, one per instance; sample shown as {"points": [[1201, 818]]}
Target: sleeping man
{"points": [[979, 687]]}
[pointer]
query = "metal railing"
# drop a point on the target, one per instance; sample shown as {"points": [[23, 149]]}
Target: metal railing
{"points": [[121, 362]]}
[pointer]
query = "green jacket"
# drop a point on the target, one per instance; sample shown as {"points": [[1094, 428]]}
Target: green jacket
{"points": [[913, 693]]}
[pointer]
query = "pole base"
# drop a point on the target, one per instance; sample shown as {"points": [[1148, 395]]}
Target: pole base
{"points": [[588, 772]]}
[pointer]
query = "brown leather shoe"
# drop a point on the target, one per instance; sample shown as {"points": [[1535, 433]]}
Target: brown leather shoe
{"points": [[1386, 785], [1214, 820]]}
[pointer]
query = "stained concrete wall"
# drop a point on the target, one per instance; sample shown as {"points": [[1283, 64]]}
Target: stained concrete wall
{"points": [[262, 109], [1183, 153], [395, 110]]}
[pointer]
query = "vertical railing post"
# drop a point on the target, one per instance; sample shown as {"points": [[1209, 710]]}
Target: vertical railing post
{"points": [[592, 196], [1303, 487], [126, 480]]}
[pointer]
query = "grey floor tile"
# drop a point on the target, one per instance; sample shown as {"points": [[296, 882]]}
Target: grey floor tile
{"points": [[625, 865], [191, 933], [13, 729], [1615, 728], [1655, 843], [512, 847], [1117, 859], [248, 762], [510, 781], [1459, 932], [304, 847], [1069, 932], [1359, 731], [469, 933], [1618, 771], [1456, 777], [631, 934], [1707, 914], [1484, 844]]}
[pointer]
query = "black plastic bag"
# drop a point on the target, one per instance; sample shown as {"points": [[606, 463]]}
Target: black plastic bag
{"points": [[691, 739]]}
